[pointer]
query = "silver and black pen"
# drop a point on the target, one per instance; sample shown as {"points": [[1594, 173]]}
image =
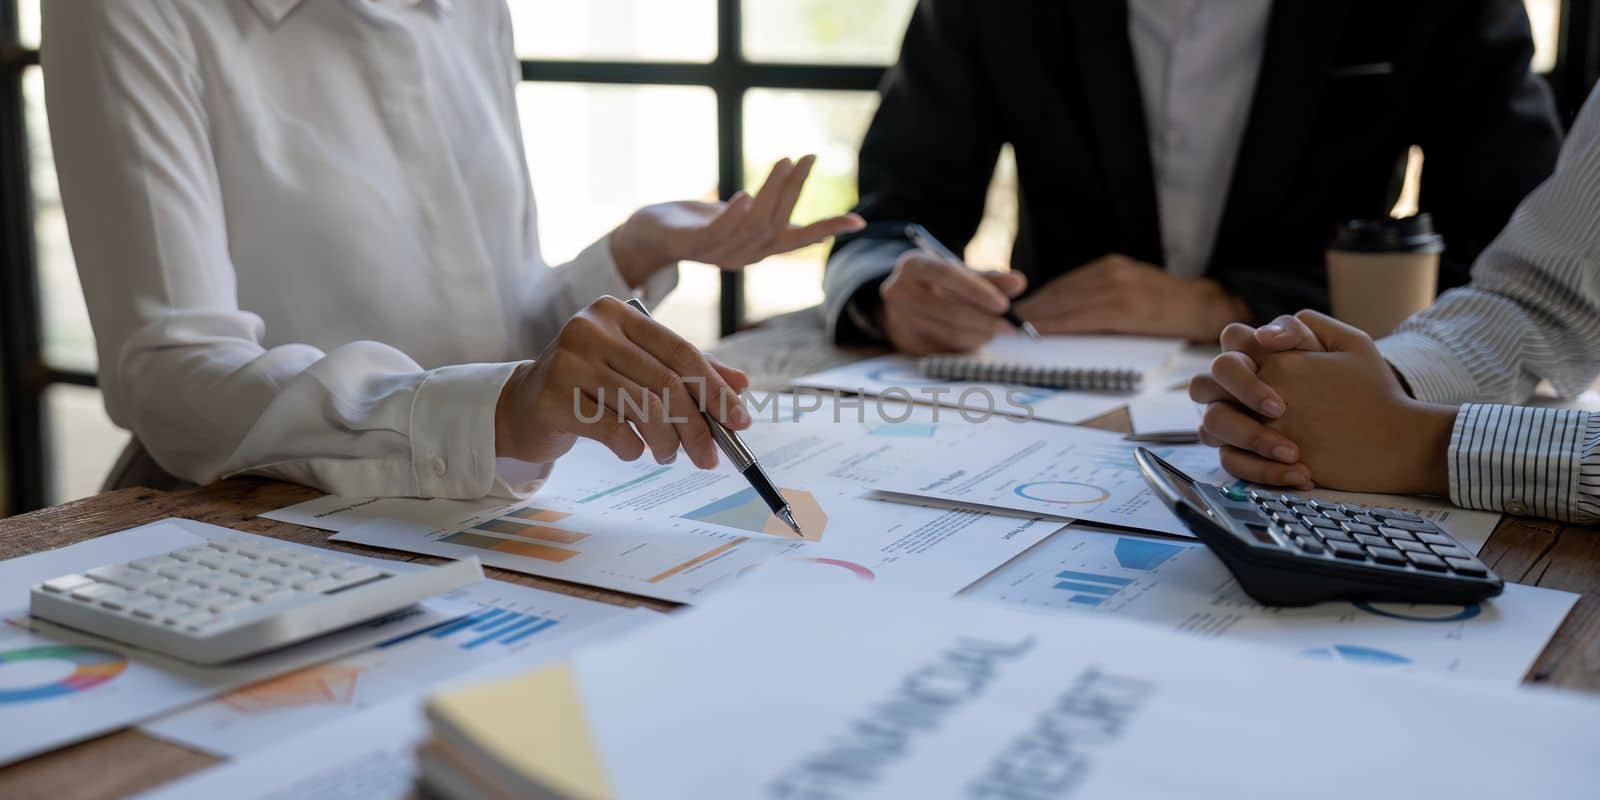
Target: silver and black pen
{"points": [[925, 242], [743, 460]]}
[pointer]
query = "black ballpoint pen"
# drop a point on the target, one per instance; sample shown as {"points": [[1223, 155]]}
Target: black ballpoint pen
{"points": [[925, 242], [743, 460]]}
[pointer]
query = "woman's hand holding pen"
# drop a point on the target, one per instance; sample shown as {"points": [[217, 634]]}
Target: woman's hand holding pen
{"points": [[619, 377], [730, 235]]}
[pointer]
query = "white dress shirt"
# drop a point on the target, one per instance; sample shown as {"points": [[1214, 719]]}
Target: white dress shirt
{"points": [[1531, 313], [306, 233], [1198, 61]]}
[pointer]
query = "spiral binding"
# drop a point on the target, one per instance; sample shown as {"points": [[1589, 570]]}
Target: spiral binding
{"points": [[1088, 379]]}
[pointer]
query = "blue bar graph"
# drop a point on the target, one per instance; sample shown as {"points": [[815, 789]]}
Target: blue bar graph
{"points": [[530, 631], [488, 625], [1145, 554], [1093, 577], [464, 622], [494, 618], [1088, 588]]}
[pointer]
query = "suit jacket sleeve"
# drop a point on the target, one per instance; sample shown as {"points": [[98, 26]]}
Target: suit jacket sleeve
{"points": [[1489, 134], [927, 157], [1488, 128]]}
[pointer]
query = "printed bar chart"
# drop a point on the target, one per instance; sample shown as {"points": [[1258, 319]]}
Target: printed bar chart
{"points": [[483, 542], [490, 625], [535, 514], [1089, 588], [518, 528]]}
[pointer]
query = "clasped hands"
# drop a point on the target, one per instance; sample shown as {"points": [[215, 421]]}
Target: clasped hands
{"points": [[1309, 401]]}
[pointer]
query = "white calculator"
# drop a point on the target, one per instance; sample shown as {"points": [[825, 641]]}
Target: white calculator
{"points": [[230, 598]]}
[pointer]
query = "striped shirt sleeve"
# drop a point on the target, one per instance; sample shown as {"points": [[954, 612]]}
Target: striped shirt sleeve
{"points": [[1541, 462], [1532, 310]]}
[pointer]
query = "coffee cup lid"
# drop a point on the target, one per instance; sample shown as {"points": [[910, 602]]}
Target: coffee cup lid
{"points": [[1412, 234]]}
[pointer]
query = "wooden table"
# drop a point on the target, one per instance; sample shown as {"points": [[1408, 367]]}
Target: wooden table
{"points": [[1525, 551]]}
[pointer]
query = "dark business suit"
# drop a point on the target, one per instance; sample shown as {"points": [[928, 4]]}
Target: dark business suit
{"points": [[1345, 87]]}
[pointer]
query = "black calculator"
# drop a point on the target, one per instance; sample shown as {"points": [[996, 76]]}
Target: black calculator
{"points": [[1286, 550]]}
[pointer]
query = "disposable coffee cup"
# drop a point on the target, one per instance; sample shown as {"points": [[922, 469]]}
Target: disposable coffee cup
{"points": [[1381, 271]]}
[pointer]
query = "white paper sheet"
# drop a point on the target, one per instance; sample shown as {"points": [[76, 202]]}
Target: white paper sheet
{"points": [[896, 377], [334, 513], [1167, 415], [58, 686], [507, 620], [675, 532], [1181, 586], [367, 755], [1079, 473], [893, 695], [1065, 472], [1144, 354]]}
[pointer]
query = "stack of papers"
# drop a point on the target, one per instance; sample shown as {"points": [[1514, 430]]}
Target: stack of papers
{"points": [[676, 532], [1084, 474], [63, 686], [507, 623], [858, 693], [1181, 586], [368, 753]]}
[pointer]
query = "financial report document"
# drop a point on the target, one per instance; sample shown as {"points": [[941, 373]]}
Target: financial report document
{"points": [[58, 686], [507, 622], [676, 532], [1067, 473], [894, 695], [1163, 362], [1075, 473], [368, 752], [896, 377], [1181, 586]]}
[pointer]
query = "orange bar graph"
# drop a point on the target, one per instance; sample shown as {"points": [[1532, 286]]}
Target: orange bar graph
{"points": [[543, 552], [515, 528], [700, 559], [538, 514]]}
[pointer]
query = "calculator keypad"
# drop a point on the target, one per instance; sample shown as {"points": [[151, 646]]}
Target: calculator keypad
{"points": [[209, 587], [1387, 536]]}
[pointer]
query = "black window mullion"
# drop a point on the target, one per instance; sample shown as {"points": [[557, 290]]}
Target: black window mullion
{"points": [[22, 372], [730, 88]]}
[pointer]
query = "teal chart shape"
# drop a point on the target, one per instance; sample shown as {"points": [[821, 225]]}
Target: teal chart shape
{"points": [[1144, 554], [1356, 654]]}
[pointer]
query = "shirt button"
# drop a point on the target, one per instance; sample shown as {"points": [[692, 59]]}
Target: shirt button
{"points": [[439, 467], [1515, 506]]}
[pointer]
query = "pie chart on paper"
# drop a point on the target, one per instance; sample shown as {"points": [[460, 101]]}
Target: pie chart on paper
{"points": [[746, 511], [1067, 493]]}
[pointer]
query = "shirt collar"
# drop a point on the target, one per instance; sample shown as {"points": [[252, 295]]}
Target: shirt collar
{"points": [[275, 10]]}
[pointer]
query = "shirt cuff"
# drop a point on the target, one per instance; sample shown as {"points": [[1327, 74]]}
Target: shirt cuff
{"points": [[1431, 371], [452, 430], [594, 274], [1522, 460]]}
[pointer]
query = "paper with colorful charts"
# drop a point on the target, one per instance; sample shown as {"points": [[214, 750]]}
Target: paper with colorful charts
{"points": [[676, 532], [58, 686], [1181, 586]]}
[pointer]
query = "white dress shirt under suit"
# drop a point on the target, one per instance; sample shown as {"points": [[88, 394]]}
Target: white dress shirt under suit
{"points": [[1531, 313], [1197, 62], [306, 233]]}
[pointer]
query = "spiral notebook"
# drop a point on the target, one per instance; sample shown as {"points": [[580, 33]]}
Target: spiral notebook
{"points": [[1081, 363]]}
